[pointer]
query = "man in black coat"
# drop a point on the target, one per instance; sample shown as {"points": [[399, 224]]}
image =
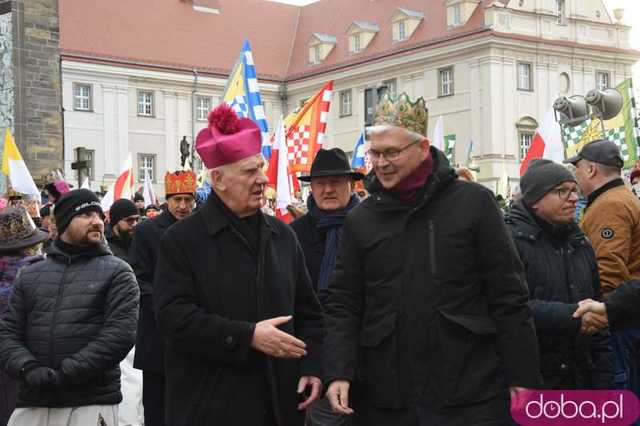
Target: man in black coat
{"points": [[149, 356], [428, 303], [561, 270], [71, 320], [123, 218], [233, 298], [319, 232]]}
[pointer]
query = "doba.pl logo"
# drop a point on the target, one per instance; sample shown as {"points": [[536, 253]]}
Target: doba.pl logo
{"points": [[575, 408]]}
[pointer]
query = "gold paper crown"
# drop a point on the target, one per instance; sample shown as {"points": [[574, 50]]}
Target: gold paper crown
{"points": [[180, 182], [401, 112]]}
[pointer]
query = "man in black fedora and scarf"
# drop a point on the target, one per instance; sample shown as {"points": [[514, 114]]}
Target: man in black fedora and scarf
{"points": [[319, 232]]}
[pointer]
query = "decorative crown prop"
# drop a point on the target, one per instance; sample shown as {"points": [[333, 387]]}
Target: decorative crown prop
{"points": [[401, 112], [180, 182]]}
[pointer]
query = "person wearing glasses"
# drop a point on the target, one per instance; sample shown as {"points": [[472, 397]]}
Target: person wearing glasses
{"points": [[426, 319], [123, 218], [611, 221], [561, 270], [180, 188]]}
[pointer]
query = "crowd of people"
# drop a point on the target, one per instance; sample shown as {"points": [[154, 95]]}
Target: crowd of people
{"points": [[420, 304]]}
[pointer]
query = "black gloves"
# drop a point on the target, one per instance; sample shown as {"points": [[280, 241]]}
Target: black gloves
{"points": [[44, 377]]}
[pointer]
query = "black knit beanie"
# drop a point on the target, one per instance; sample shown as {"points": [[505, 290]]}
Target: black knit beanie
{"points": [[72, 204], [122, 209], [541, 177]]}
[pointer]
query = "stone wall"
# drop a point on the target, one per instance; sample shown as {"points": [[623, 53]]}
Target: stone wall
{"points": [[38, 127]]}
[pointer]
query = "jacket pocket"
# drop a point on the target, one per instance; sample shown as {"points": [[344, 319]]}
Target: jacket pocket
{"points": [[379, 351], [467, 367]]}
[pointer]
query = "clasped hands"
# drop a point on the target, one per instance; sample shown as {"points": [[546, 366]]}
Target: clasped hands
{"points": [[270, 340], [593, 315]]}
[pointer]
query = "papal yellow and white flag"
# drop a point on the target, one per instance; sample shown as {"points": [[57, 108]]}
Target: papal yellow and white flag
{"points": [[15, 168]]}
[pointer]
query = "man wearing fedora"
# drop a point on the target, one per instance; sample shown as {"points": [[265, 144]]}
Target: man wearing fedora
{"points": [[242, 325], [70, 321], [319, 232], [20, 246], [427, 306]]}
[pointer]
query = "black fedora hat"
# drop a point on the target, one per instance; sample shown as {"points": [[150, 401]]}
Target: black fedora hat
{"points": [[331, 162]]}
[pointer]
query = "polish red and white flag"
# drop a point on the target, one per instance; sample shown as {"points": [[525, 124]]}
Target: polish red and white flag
{"points": [[546, 143]]}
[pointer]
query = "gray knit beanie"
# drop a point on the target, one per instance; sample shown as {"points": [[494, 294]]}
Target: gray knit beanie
{"points": [[541, 177]]}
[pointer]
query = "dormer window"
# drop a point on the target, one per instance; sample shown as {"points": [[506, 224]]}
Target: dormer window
{"points": [[320, 45], [404, 23], [206, 6], [459, 11], [360, 35]]}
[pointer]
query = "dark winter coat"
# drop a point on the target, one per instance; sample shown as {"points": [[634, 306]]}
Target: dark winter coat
{"points": [[76, 314], [561, 270], [212, 286], [623, 305], [312, 241], [143, 256], [119, 247], [428, 299]]}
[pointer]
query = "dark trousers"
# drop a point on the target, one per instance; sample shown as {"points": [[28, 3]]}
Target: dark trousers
{"points": [[493, 412], [153, 398], [8, 393]]}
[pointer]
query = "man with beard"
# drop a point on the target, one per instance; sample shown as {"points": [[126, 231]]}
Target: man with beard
{"points": [[233, 297], [71, 320], [427, 307], [124, 217], [319, 231], [143, 255]]}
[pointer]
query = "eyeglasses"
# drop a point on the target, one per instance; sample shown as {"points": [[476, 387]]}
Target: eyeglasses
{"points": [[389, 154], [132, 219], [566, 193]]}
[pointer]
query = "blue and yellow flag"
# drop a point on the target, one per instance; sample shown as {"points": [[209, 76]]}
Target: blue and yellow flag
{"points": [[243, 95]]}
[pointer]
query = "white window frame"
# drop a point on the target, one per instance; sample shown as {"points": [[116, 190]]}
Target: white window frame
{"points": [[601, 85], [82, 101], [202, 107], [402, 30], [525, 79], [346, 103], [446, 86], [525, 139], [561, 11], [317, 54], [144, 167], [456, 19], [145, 102], [356, 43]]}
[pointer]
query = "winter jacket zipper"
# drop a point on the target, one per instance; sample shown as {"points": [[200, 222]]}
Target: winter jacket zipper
{"points": [[55, 314], [432, 247]]}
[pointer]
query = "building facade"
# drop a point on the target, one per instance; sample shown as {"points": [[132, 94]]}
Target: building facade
{"points": [[490, 69]]}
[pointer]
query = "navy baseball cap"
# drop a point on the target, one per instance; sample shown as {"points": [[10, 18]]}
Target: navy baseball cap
{"points": [[600, 151]]}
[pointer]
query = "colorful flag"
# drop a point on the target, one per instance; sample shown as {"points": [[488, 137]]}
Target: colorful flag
{"points": [[546, 143], [358, 160], [14, 167], [243, 95], [121, 188], [470, 152], [148, 193], [621, 129], [449, 147], [306, 134], [278, 172]]}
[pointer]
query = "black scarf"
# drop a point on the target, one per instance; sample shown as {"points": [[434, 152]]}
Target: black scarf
{"points": [[332, 223]]}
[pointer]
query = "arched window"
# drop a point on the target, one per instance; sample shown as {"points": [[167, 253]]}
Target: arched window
{"points": [[526, 129]]}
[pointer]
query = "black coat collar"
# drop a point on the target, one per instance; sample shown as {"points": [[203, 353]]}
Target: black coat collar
{"points": [[604, 188], [215, 220]]}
